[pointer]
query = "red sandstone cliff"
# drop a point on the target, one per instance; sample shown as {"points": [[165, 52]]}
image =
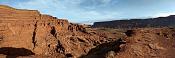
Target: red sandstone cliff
{"points": [[29, 34], [31, 30], [44, 35]]}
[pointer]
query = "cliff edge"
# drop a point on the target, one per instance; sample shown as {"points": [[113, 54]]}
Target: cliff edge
{"points": [[29, 34]]}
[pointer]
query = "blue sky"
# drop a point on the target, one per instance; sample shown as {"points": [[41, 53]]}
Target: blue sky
{"points": [[89, 11]]}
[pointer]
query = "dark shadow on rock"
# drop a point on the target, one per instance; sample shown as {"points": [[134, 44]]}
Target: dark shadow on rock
{"points": [[102, 49], [129, 33], [11, 52]]}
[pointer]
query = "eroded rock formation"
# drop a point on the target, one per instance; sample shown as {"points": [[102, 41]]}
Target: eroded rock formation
{"points": [[29, 34], [45, 35], [29, 29], [149, 43]]}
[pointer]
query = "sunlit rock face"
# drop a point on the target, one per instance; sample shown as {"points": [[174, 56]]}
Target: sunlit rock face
{"points": [[42, 35], [29, 29], [29, 34]]}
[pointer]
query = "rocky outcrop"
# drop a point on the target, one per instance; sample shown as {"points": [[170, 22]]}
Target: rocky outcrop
{"points": [[149, 43], [29, 34], [29, 29], [44, 35], [138, 23]]}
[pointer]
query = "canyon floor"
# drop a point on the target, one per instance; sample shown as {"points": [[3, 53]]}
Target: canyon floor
{"points": [[29, 34]]}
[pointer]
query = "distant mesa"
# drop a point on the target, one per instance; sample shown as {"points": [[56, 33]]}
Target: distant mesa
{"points": [[138, 23]]}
